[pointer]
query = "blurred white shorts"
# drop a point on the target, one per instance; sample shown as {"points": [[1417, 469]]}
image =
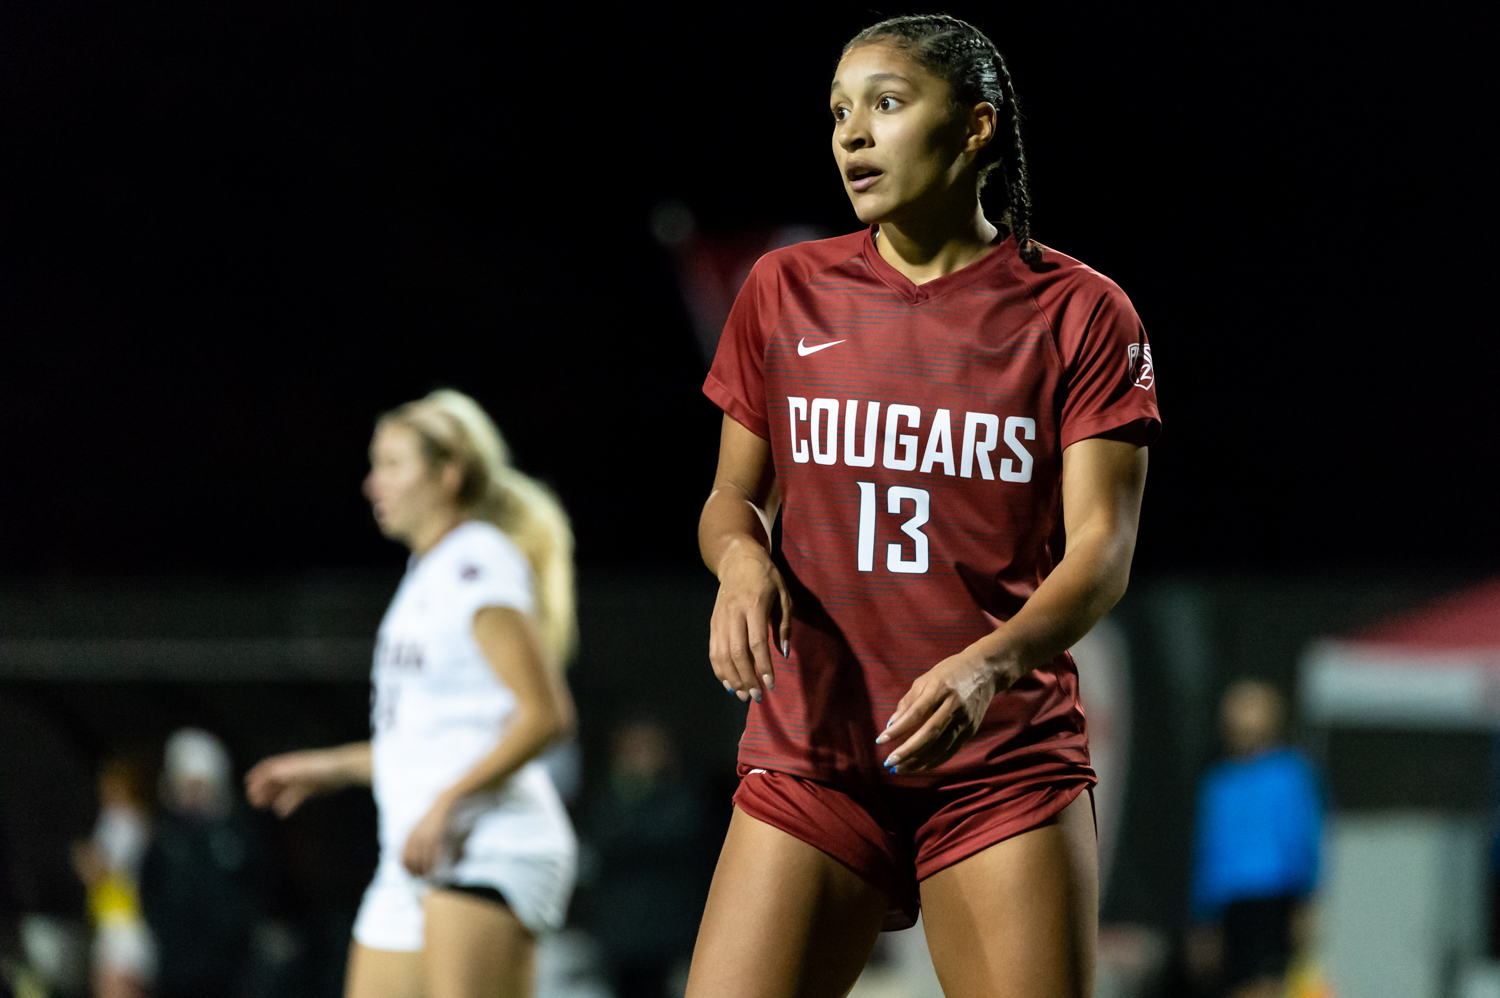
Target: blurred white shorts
{"points": [[536, 885], [126, 947]]}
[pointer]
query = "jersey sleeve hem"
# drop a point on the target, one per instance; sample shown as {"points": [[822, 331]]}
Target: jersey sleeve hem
{"points": [[1082, 429], [736, 408], [503, 600], [490, 571]]}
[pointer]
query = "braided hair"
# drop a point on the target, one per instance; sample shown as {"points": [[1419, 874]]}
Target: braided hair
{"points": [[975, 71]]}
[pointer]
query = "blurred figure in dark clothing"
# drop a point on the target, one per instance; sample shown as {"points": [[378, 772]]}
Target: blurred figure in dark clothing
{"points": [[1495, 847], [202, 882], [12, 971], [646, 831], [1255, 855]]}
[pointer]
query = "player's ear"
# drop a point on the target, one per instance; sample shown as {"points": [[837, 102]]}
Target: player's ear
{"points": [[983, 122], [451, 477]]}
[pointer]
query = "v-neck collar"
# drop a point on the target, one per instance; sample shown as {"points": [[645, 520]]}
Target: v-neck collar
{"points": [[996, 259]]}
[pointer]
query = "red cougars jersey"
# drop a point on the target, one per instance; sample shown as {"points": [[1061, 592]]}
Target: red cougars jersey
{"points": [[917, 432]]}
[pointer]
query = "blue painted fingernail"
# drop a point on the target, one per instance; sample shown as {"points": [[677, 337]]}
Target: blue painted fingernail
{"points": [[728, 687], [786, 648], [891, 770], [755, 694]]}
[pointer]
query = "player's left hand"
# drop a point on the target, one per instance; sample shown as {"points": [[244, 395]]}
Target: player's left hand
{"points": [[942, 711], [424, 846]]}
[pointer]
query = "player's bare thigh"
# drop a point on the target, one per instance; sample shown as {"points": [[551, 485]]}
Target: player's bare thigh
{"points": [[1020, 918], [475, 947], [112, 983], [783, 920], [383, 973]]}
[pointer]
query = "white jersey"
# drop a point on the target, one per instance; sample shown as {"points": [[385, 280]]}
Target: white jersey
{"points": [[438, 708], [122, 940]]}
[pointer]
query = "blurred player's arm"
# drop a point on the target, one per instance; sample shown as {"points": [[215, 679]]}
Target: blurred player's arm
{"points": [[734, 537], [283, 782], [1103, 479], [544, 708], [543, 715]]}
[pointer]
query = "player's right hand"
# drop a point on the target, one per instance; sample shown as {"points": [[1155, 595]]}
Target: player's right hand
{"points": [[753, 605], [283, 782]]}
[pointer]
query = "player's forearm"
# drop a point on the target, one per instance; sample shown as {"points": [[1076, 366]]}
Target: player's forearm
{"points": [[350, 764], [1084, 586], [731, 521]]}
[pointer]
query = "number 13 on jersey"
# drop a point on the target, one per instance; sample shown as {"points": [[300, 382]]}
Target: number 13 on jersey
{"points": [[896, 497]]}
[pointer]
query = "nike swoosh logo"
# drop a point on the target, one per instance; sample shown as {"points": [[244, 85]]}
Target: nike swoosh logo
{"points": [[803, 349]]}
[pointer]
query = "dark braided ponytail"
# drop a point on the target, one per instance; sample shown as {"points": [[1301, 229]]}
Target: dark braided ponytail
{"points": [[975, 71]]}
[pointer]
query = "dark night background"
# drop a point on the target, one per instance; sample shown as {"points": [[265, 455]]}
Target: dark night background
{"points": [[235, 232]]}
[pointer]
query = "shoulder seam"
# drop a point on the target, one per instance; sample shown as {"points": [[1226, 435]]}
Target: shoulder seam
{"points": [[1047, 319]]}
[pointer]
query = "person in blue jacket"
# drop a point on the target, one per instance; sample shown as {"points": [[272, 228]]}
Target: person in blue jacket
{"points": [[1255, 850]]}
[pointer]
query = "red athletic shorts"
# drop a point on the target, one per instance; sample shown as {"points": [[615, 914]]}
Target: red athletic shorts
{"points": [[896, 836]]}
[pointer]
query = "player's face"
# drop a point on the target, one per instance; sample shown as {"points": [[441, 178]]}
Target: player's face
{"points": [[1251, 716], [404, 491], [900, 146]]}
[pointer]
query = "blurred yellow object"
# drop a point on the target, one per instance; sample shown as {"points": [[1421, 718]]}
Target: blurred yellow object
{"points": [[113, 900], [1304, 979]]}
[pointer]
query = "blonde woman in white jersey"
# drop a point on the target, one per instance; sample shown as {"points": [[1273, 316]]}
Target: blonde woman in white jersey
{"points": [[477, 856]]}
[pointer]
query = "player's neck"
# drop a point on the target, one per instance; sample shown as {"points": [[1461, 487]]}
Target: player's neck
{"points": [[934, 244], [427, 536]]}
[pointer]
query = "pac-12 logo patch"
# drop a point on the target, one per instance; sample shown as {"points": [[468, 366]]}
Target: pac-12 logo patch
{"points": [[1141, 373]]}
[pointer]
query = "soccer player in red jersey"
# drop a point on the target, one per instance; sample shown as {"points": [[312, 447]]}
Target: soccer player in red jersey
{"points": [[952, 421]]}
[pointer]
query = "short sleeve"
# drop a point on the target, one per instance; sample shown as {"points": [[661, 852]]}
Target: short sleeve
{"points": [[490, 571], [736, 382], [1107, 365]]}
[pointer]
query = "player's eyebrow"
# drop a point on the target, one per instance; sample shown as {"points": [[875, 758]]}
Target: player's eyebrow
{"points": [[877, 78]]}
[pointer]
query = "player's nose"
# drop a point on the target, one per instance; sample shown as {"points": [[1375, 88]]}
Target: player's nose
{"points": [[853, 133]]}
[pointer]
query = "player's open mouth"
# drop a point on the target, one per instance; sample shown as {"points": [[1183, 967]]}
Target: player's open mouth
{"points": [[861, 176]]}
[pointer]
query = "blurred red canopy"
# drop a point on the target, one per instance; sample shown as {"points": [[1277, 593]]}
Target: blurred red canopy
{"points": [[1436, 666], [1469, 618]]}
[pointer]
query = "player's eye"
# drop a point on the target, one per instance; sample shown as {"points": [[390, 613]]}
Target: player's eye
{"points": [[840, 113], [887, 103]]}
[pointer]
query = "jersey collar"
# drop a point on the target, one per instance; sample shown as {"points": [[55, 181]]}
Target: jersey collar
{"points": [[992, 263]]}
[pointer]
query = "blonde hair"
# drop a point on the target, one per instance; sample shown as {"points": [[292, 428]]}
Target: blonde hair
{"points": [[454, 429]]}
